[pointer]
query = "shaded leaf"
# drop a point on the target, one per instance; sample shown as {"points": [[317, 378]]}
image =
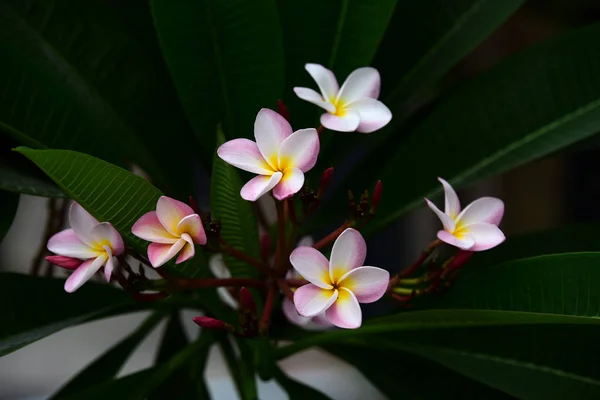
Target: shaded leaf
{"points": [[130, 387], [10, 203], [295, 389]]}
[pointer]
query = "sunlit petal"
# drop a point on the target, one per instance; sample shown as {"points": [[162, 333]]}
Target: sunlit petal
{"points": [[447, 221], [260, 185], [192, 225], [149, 228], [348, 122], [361, 83], [345, 312], [159, 253], [486, 209], [67, 243], [82, 222], [311, 300], [485, 235], [244, 154], [290, 184], [464, 242], [373, 114], [368, 284], [300, 150], [170, 212], [104, 234], [452, 204], [348, 252], [312, 265], [315, 98], [84, 273], [325, 80]]}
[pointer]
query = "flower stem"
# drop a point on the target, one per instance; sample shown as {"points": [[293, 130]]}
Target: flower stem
{"points": [[426, 253], [240, 255], [265, 320], [332, 236], [281, 239], [285, 288], [214, 282], [320, 129]]}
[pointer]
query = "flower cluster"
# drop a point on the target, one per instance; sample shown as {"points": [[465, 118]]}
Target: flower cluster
{"points": [[318, 293]]}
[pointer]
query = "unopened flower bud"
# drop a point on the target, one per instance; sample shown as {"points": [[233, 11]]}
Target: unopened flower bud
{"points": [[247, 303], [376, 197], [325, 180], [211, 323], [283, 110], [64, 262]]}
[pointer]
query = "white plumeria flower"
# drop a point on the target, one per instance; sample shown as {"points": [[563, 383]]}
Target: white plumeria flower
{"points": [[476, 227], [338, 286], [173, 228], [279, 157], [97, 243], [220, 271], [354, 107]]}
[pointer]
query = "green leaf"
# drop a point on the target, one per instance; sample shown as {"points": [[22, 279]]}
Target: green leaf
{"points": [[106, 191], [295, 389], [238, 218], [130, 387], [19, 176], [35, 307], [233, 364], [110, 363], [10, 202], [73, 77], [226, 60], [527, 106]]}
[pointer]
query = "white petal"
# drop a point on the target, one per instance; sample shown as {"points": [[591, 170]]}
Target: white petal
{"points": [[67, 243], [447, 221], [325, 80], [345, 312], [368, 284], [300, 150], [315, 98], [485, 235], [452, 204], [270, 130], [361, 83], [373, 114], [244, 154], [82, 222], [348, 252], [464, 242], [486, 209], [109, 266], [218, 268], [258, 186], [311, 300], [346, 123], [290, 184], [83, 273], [312, 265], [104, 233]]}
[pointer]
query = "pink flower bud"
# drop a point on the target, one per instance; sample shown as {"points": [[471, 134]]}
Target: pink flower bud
{"points": [[247, 302], [64, 262], [283, 110], [211, 323], [376, 197]]}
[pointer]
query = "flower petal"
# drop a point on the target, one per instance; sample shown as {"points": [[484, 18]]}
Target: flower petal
{"points": [[81, 222], [227, 298], [486, 209], [361, 83], [258, 186], [348, 252], [67, 243], [290, 312], [290, 184], [192, 225], [218, 268], [300, 150], [325, 80], [109, 266], [69, 263], [346, 123], [84, 273], [314, 97], [367, 283], [149, 228], [321, 322], [452, 204], [345, 312], [485, 235], [270, 130], [465, 242], [186, 253], [170, 212], [312, 265], [244, 154], [311, 300], [104, 234], [447, 221], [373, 114], [159, 253]]}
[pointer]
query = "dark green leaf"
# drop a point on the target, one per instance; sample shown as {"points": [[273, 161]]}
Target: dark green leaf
{"points": [[130, 387], [295, 389], [10, 202], [19, 176], [233, 365], [108, 192], [238, 218], [226, 60], [36, 307], [110, 363]]}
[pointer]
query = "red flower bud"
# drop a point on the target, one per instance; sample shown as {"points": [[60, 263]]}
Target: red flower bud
{"points": [[64, 262], [211, 323], [325, 180], [283, 110], [247, 303], [194, 205], [376, 198]]}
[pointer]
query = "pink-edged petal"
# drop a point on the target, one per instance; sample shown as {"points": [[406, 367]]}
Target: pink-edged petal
{"points": [[104, 234], [290, 184], [300, 150], [314, 97], [170, 212], [452, 204], [486, 209], [84, 273], [485, 235], [348, 252], [81, 222], [373, 114], [325, 80], [67, 243], [186, 253], [69, 263], [290, 312], [218, 268], [312, 265], [447, 221], [311, 300], [464, 242], [109, 266], [192, 225], [345, 312], [244, 154], [159, 253], [361, 83], [258, 186], [149, 228], [345, 123], [270, 130], [367, 283]]}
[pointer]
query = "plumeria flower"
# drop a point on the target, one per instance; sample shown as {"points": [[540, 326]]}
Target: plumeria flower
{"points": [[476, 227], [95, 244], [173, 228], [338, 286], [354, 107], [279, 157]]}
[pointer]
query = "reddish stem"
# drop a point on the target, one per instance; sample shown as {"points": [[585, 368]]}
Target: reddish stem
{"points": [[265, 320], [280, 205], [214, 282], [147, 297], [296, 282], [240, 255], [285, 288], [320, 129], [408, 271], [332, 236]]}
